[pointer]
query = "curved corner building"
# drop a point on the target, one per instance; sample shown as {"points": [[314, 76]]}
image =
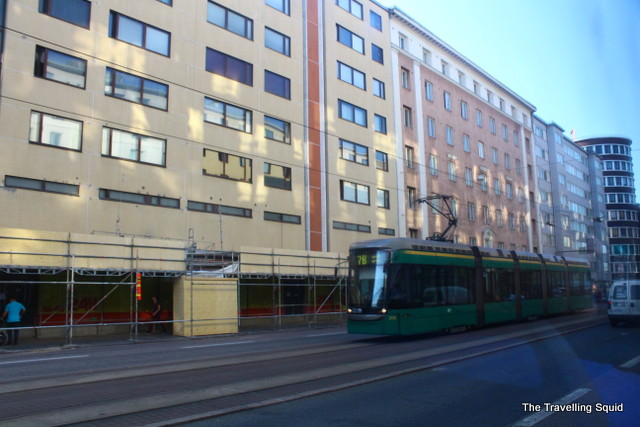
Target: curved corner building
{"points": [[622, 209]]}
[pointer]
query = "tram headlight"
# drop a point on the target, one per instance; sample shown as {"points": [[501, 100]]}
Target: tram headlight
{"points": [[383, 311], [350, 310]]}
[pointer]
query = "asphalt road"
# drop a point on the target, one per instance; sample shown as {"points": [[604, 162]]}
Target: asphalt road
{"points": [[327, 377]]}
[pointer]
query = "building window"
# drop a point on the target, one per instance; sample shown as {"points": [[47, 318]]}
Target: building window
{"points": [[383, 199], [77, 12], [375, 20], [339, 225], [139, 199], [354, 152], [481, 149], [281, 5], [277, 41], [494, 155], [444, 67], [486, 219], [471, 211], [351, 6], [408, 156], [276, 129], [499, 218], [350, 39], [352, 76], [378, 89], [352, 192], [507, 161], [431, 127], [133, 146], [479, 118], [380, 124], [55, 131], [386, 231], [492, 125], [218, 209], [276, 176], [403, 42], [466, 145], [59, 67], [280, 217], [277, 85], [512, 221], [496, 186], [227, 115], [428, 90], [468, 177], [509, 190], [433, 164], [452, 171], [168, 2], [230, 20], [136, 89], [411, 194], [139, 34], [230, 67], [464, 110], [377, 53], [482, 180], [224, 165], [449, 135], [352, 113], [404, 78], [41, 185], [406, 116], [382, 161], [447, 101]]}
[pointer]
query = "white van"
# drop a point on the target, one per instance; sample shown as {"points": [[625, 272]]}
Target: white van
{"points": [[624, 301]]}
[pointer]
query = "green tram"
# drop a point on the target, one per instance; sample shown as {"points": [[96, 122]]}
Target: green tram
{"points": [[404, 286]]}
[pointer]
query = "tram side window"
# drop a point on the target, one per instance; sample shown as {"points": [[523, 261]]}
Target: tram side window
{"points": [[448, 286], [555, 284], [499, 285], [580, 283], [531, 284]]}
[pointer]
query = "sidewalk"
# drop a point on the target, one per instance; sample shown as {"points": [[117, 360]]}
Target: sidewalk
{"points": [[32, 344]]}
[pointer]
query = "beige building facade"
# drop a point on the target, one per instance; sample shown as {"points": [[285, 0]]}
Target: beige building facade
{"points": [[218, 125]]}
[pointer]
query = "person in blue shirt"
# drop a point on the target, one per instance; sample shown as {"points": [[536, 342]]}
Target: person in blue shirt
{"points": [[13, 313]]}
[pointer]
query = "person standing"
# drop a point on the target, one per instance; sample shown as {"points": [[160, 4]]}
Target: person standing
{"points": [[13, 314], [156, 316]]}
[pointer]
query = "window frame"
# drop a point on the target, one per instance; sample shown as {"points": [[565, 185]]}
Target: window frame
{"points": [[342, 38], [41, 185], [248, 115], [41, 129], [42, 64], [247, 33], [111, 76], [356, 192], [286, 42], [354, 111], [242, 75], [115, 24], [352, 152], [108, 150], [48, 7], [286, 129], [277, 84]]}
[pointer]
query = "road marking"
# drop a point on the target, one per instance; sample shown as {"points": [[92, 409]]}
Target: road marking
{"points": [[541, 415], [217, 345], [42, 360], [325, 335], [631, 363]]}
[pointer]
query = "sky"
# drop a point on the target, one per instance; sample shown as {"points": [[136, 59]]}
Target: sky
{"points": [[576, 61]]}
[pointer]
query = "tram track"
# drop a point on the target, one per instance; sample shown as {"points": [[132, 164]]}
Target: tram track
{"points": [[299, 375]]}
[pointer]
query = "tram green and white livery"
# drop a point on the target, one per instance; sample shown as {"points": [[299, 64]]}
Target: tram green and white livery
{"points": [[404, 286]]}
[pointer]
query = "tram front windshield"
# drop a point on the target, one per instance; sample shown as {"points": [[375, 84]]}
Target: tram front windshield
{"points": [[369, 277]]}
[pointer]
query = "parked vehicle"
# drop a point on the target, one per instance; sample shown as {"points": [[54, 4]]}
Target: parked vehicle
{"points": [[624, 301]]}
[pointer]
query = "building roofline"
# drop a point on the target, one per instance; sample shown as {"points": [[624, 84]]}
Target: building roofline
{"points": [[401, 15]]}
